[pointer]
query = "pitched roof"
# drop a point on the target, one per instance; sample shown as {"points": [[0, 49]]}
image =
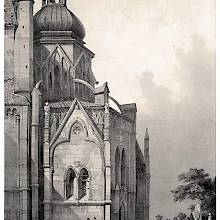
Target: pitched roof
{"points": [[67, 104]]}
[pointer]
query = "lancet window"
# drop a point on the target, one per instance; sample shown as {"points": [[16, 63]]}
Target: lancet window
{"points": [[76, 185], [123, 169], [70, 176], [83, 183], [117, 167]]}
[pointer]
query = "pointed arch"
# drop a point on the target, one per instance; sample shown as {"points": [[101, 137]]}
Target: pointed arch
{"points": [[123, 169], [57, 80], [83, 182], [55, 141], [50, 83], [82, 125], [69, 179], [117, 166]]}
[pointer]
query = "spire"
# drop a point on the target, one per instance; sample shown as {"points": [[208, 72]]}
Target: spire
{"points": [[146, 137], [146, 146]]}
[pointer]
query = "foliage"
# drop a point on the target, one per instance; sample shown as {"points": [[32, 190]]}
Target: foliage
{"points": [[159, 217], [181, 216], [197, 185]]}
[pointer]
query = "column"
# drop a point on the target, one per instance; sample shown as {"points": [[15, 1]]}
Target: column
{"points": [[36, 102], [107, 161], [48, 171]]}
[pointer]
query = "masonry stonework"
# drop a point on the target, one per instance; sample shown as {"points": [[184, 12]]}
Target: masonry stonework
{"points": [[68, 153]]}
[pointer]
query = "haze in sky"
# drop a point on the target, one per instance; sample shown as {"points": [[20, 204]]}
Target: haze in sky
{"points": [[161, 55]]}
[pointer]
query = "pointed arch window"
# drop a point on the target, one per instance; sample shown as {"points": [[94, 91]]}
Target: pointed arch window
{"points": [[83, 183], [65, 79], [70, 176], [57, 80], [50, 80], [123, 169], [117, 167]]}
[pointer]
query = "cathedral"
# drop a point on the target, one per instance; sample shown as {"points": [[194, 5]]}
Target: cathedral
{"points": [[69, 155]]}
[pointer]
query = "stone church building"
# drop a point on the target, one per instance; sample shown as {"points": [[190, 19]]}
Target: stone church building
{"points": [[69, 155]]}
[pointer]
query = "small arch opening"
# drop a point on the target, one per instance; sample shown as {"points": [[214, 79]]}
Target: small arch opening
{"points": [[50, 80], [123, 169], [70, 176], [117, 167], [83, 183]]}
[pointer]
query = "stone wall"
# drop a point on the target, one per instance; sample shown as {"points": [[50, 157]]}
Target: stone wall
{"points": [[78, 147], [78, 212], [9, 53], [57, 65], [78, 155], [17, 163], [123, 197]]}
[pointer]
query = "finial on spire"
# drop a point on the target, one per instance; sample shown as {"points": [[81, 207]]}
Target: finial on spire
{"points": [[44, 2], [146, 134]]}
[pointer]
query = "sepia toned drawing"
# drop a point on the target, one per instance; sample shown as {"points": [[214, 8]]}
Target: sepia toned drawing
{"points": [[72, 150]]}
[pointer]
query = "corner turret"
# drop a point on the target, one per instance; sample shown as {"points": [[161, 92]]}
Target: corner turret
{"points": [[24, 48], [146, 151]]}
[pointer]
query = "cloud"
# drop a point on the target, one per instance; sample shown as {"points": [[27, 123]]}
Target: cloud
{"points": [[182, 131], [175, 95]]}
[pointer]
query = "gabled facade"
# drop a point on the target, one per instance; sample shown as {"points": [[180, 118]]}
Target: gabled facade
{"points": [[68, 153]]}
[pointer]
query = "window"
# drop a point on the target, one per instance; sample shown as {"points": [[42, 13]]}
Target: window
{"points": [[117, 166], [50, 81], [70, 176], [83, 183], [57, 80], [76, 185], [123, 168]]}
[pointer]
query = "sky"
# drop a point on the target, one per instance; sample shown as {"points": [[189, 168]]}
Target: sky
{"points": [[161, 55]]}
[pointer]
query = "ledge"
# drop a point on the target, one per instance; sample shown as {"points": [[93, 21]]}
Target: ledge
{"points": [[80, 203]]}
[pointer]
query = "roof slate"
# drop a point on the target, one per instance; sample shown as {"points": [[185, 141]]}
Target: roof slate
{"points": [[67, 104]]}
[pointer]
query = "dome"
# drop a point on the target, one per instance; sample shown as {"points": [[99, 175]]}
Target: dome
{"points": [[57, 17]]}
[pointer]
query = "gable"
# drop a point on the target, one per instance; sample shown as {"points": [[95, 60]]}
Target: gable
{"points": [[76, 124], [63, 79]]}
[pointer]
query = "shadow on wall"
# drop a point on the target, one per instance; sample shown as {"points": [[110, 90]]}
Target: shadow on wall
{"points": [[72, 212], [57, 73]]}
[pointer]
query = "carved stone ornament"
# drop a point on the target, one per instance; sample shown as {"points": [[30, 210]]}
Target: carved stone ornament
{"points": [[11, 111], [106, 108], [46, 108], [97, 117], [77, 106], [78, 164], [76, 130]]}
